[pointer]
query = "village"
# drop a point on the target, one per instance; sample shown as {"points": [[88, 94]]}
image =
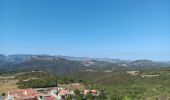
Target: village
{"points": [[51, 93], [63, 91], [19, 86]]}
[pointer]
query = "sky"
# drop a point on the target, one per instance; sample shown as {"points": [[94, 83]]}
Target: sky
{"points": [[120, 29]]}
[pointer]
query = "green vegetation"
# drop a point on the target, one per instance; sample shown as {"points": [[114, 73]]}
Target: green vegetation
{"points": [[36, 80], [41, 80], [37, 83], [3, 94], [123, 86], [76, 91], [117, 85]]}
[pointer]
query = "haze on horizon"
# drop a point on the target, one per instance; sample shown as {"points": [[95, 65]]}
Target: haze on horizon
{"points": [[120, 29]]}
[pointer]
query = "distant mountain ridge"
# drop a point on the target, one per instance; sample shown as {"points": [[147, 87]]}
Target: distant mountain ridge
{"points": [[20, 58], [97, 59], [15, 58], [66, 64]]}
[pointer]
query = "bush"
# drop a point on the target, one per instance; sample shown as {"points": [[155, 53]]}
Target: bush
{"points": [[89, 96], [3, 94], [116, 97], [77, 92]]}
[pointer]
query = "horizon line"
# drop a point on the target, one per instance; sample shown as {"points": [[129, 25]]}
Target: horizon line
{"points": [[85, 57]]}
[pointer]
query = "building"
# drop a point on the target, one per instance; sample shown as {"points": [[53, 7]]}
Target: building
{"points": [[62, 94], [22, 94], [93, 92], [46, 98], [134, 73], [150, 76]]}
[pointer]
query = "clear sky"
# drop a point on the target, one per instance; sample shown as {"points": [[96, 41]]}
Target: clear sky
{"points": [[123, 29]]}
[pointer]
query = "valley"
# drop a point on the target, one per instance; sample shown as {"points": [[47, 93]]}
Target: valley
{"points": [[112, 79]]}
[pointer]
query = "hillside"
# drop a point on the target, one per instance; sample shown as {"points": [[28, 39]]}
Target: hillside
{"points": [[63, 65], [137, 87], [116, 85]]}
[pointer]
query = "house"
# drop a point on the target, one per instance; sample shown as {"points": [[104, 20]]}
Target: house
{"points": [[46, 98], [62, 94], [22, 94], [149, 76], [86, 91], [93, 92], [49, 98], [133, 73]]}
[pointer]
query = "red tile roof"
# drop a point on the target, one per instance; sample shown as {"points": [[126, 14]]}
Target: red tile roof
{"points": [[63, 92], [94, 91], [49, 98], [24, 98], [20, 94]]}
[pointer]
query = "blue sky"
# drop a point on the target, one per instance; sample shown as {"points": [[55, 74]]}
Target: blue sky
{"points": [[123, 29]]}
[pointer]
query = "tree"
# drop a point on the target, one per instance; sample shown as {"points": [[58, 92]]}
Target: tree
{"points": [[126, 98], [3, 94], [89, 96], [77, 92], [79, 97], [68, 98], [116, 98]]}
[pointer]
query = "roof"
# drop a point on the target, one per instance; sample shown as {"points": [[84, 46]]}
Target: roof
{"points": [[93, 91], [49, 98], [86, 90], [23, 98], [23, 93], [63, 92], [29, 91]]}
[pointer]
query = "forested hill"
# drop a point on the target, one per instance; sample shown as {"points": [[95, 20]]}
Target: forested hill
{"points": [[63, 64], [56, 65]]}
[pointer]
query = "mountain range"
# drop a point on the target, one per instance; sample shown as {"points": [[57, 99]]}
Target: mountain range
{"points": [[66, 64]]}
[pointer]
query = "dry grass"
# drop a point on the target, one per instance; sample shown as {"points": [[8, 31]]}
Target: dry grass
{"points": [[73, 86], [7, 84]]}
